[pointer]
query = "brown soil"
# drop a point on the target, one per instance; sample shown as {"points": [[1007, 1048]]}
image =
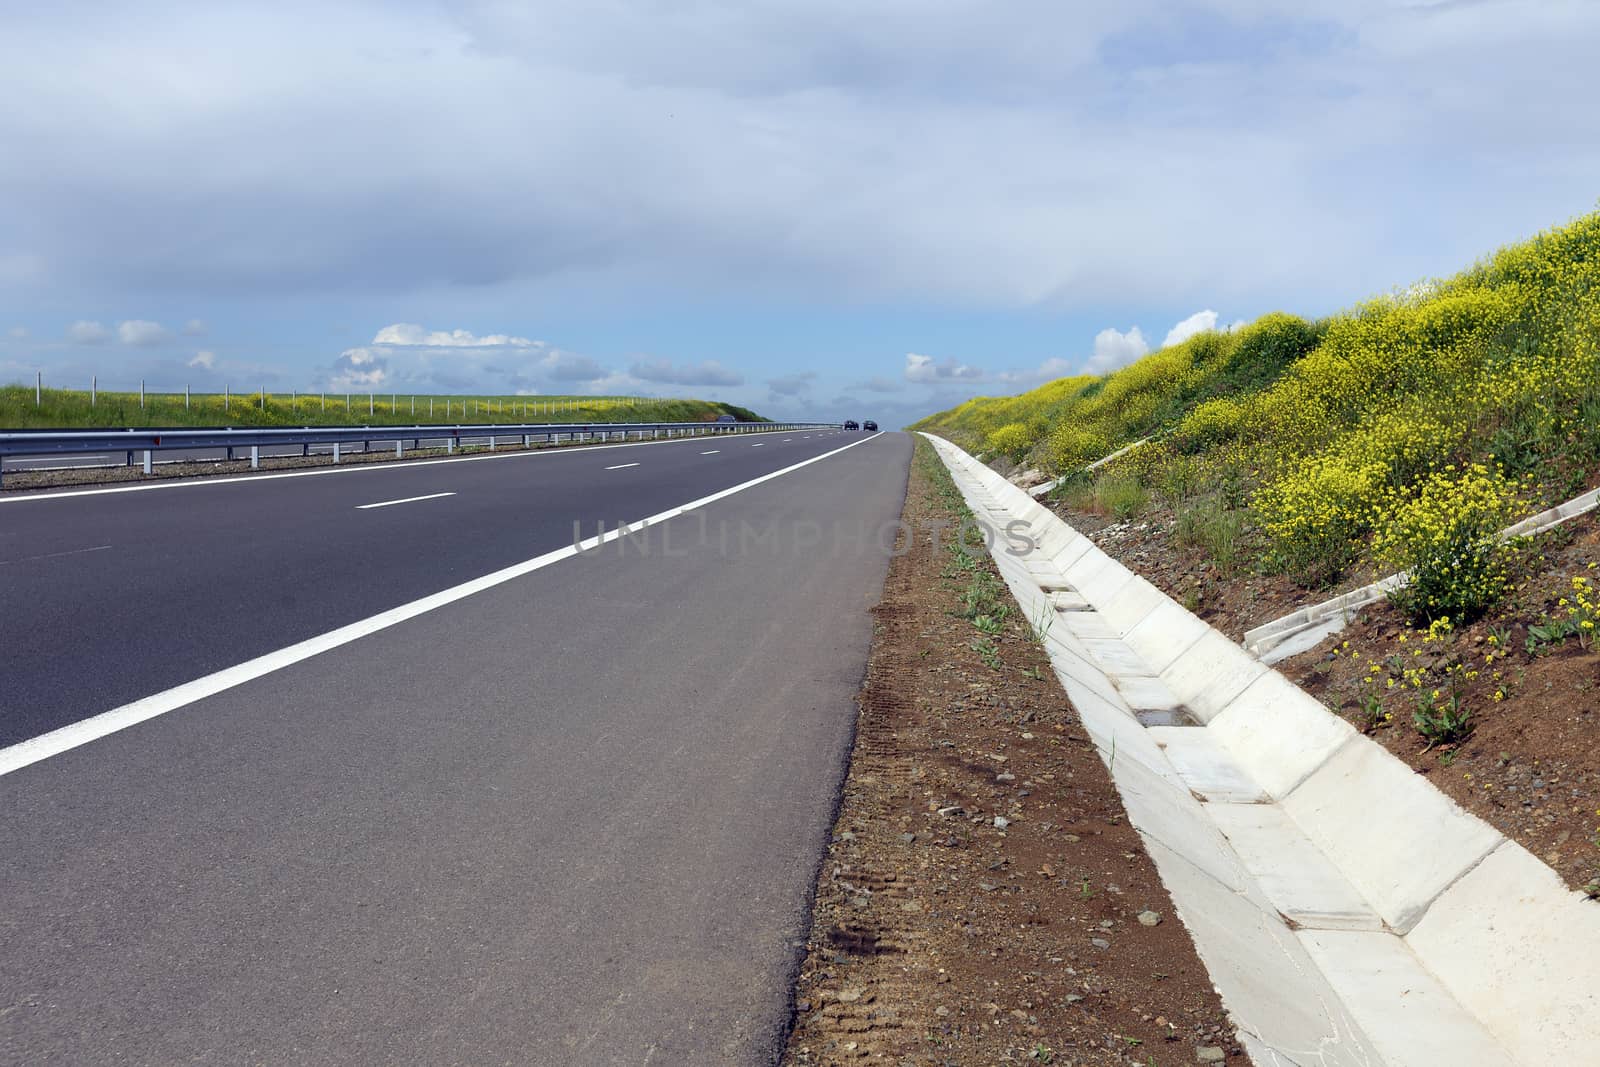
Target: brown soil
{"points": [[941, 936], [1530, 767]]}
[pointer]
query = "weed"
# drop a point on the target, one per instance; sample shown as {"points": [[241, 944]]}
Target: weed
{"points": [[1215, 530], [1371, 714], [989, 653], [1441, 718], [1121, 495], [1044, 622], [989, 624]]}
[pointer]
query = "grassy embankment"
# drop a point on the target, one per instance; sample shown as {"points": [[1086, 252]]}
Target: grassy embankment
{"points": [[1291, 456], [1476, 395], [71, 408]]}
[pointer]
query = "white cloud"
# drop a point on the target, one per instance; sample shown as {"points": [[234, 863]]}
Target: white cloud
{"points": [[1199, 322], [359, 369], [1113, 349], [194, 328], [18, 333], [928, 371], [142, 332], [409, 333], [708, 372], [86, 332], [204, 359]]}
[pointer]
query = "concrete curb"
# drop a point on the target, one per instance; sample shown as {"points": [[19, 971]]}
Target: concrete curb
{"points": [[1298, 631], [1349, 912]]}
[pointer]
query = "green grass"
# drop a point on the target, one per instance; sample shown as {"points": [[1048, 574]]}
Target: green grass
{"points": [[71, 409]]}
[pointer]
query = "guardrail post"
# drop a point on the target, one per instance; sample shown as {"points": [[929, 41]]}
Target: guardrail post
{"points": [[491, 442], [336, 451], [255, 457], [147, 469], [449, 446], [399, 448], [527, 440]]}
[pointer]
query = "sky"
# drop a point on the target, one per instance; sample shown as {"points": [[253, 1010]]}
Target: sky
{"points": [[814, 208]]}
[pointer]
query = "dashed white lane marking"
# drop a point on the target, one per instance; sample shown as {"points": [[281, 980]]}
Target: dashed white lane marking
{"points": [[402, 500], [758, 444], [54, 555], [95, 727], [713, 452], [620, 466]]}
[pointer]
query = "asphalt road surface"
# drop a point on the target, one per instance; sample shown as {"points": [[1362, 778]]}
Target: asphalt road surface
{"points": [[571, 815]]}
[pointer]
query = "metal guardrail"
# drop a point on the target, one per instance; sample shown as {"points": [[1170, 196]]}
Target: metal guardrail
{"points": [[46, 443]]}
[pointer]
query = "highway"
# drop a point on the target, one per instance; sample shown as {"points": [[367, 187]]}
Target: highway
{"points": [[412, 781]]}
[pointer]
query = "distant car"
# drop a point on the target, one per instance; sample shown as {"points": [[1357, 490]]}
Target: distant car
{"points": [[869, 425], [726, 418], [851, 424]]}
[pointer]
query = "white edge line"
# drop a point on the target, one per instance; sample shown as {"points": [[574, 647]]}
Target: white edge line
{"points": [[620, 466], [95, 727], [402, 500], [20, 496]]}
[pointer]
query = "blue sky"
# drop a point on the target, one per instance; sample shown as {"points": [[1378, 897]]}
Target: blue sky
{"points": [[812, 207]]}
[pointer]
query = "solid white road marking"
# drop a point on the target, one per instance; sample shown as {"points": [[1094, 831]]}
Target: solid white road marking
{"points": [[54, 555], [620, 466], [109, 722], [713, 452], [402, 500]]}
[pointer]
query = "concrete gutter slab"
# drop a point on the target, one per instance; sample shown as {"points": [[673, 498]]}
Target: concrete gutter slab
{"points": [[1348, 912]]}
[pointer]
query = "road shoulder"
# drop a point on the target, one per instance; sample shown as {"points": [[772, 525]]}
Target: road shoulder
{"points": [[983, 898]]}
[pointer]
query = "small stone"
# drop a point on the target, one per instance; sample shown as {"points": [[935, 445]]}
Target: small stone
{"points": [[952, 810], [1099, 942], [1001, 822], [848, 996], [1071, 839], [1149, 918], [802, 1005], [941, 1011], [908, 838], [987, 887], [1072, 998], [1005, 776], [1209, 1054], [1027, 737], [1106, 924]]}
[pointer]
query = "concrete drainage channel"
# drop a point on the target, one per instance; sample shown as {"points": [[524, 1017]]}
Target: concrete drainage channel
{"points": [[1349, 912]]}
